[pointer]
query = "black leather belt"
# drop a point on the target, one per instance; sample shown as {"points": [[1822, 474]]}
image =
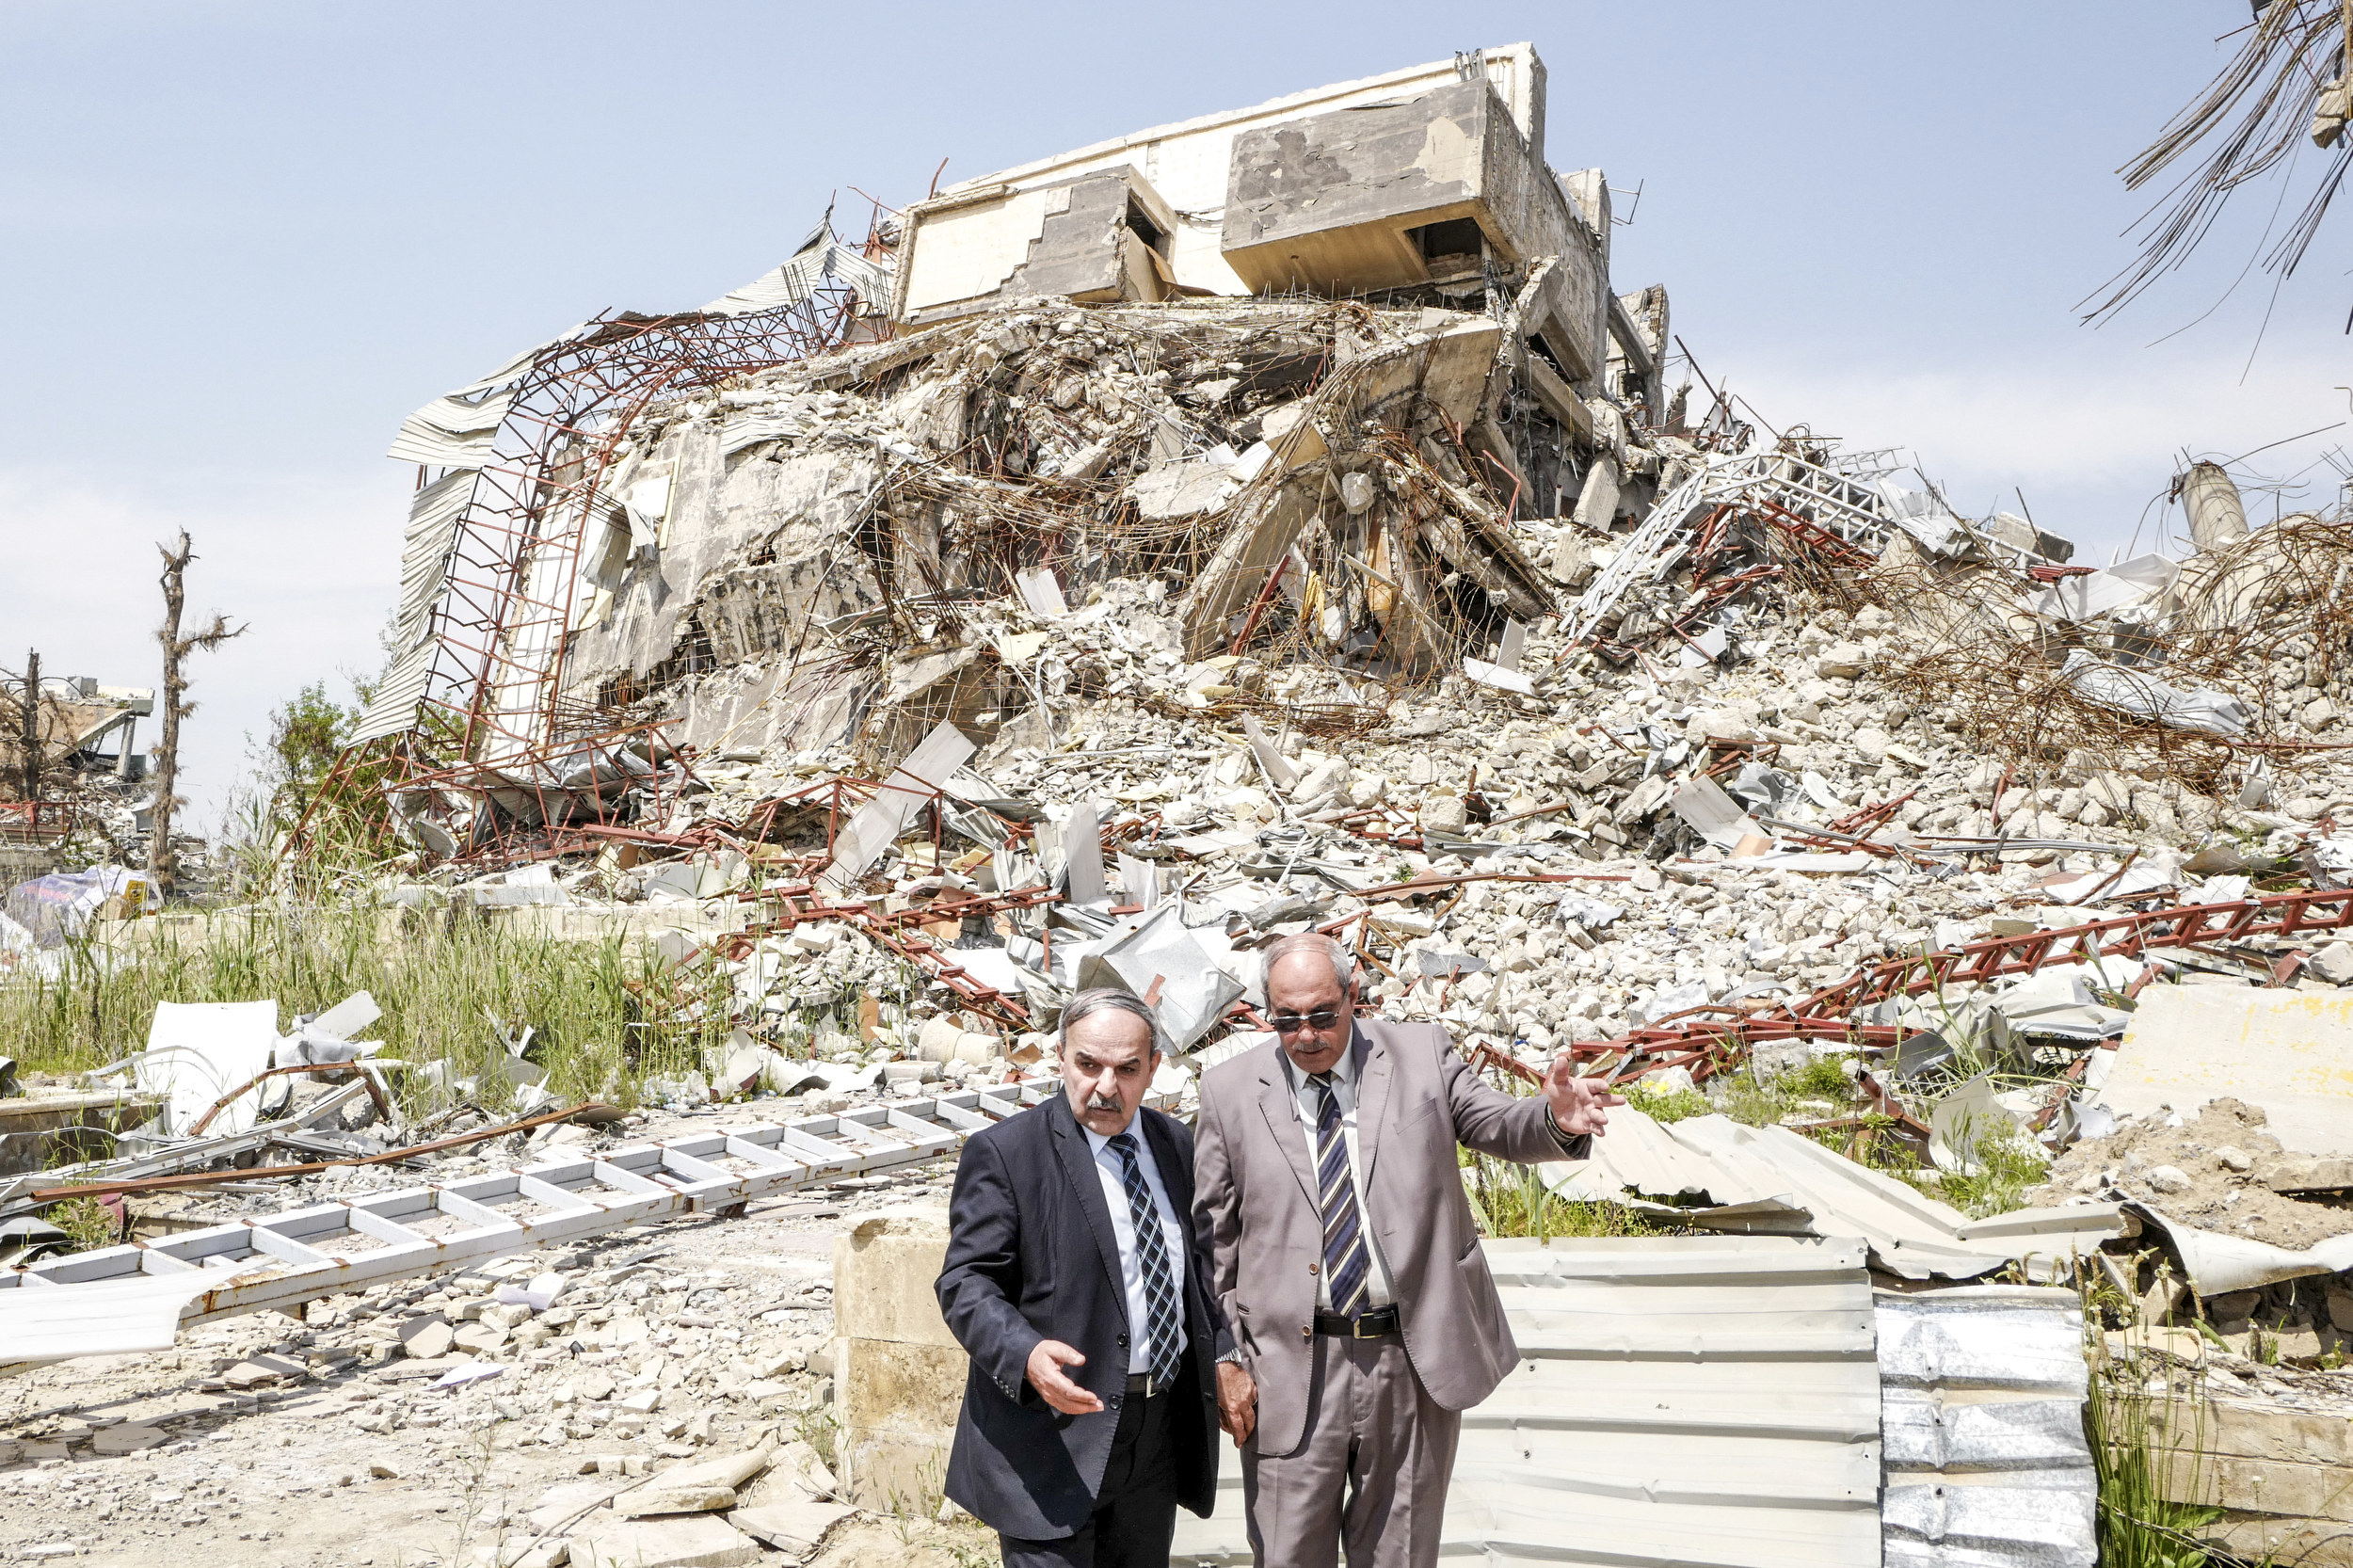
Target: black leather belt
{"points": [[1141, 1383], [1375, 1324]]}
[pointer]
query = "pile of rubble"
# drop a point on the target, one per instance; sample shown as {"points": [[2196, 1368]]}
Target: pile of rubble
{"points": [[650, 1403], [1098, 616]]}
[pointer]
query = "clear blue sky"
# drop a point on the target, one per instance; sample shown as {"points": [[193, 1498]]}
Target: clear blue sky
{"points": [[246, 240]]}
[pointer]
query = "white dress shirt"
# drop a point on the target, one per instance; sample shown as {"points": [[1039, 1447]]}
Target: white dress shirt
{"points": [[1379, 1291], [1112, 1172]]}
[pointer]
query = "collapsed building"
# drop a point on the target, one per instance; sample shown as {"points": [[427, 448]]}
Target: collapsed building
{"points": [[1282, 521], [69, 760], [1130, 362]]}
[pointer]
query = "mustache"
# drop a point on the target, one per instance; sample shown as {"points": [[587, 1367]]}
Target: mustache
{"points": [[1100, 1101]]}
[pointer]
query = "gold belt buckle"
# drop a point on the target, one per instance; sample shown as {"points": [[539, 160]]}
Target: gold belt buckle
{"points": [[1356, 1328]]}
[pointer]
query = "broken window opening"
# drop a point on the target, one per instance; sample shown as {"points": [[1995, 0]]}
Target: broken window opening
{"points": [[1456, 239], [1543, 351], [1141, 225]]}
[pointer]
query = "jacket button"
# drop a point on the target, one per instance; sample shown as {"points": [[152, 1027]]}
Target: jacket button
{"points": [[1123, 1341], [1306, 1331], [1312, 1268]]}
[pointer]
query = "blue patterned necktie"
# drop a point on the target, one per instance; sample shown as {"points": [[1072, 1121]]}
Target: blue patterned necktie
{"points": [[1347, 1267], [1159, 1280]]}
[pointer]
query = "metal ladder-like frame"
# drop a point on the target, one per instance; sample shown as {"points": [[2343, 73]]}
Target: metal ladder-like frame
{"points": [[1821, 496], [282, 1260]]}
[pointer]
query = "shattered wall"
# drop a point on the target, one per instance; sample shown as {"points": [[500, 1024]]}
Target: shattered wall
{"points": [[1185, 166]]}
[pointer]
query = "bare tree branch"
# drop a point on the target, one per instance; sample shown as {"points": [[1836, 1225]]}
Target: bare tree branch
{"points": [[163, 867]]}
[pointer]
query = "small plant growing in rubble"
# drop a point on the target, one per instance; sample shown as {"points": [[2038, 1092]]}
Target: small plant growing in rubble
{"points": [[1512, 1200], [1665, 1105], [89, 1225], [2144, 1445], [815, 1427]]}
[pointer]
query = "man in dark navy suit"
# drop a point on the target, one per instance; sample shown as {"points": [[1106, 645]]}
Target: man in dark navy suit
{"points": [[1078, 1279]]}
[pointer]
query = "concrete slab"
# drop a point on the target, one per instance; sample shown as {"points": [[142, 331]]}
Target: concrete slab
{"points": [[2289, 1052]]}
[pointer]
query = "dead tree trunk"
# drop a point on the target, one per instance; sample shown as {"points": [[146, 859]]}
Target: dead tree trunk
{"points": [[162, 865], [29, 735]]}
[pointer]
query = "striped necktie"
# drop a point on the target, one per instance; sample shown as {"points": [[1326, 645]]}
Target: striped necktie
{"points": [[1159, 1280], [1347, 1267]]}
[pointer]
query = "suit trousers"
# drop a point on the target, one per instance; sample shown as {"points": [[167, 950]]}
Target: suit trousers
{"points": [[1369, 1474], [1135, 1508]]}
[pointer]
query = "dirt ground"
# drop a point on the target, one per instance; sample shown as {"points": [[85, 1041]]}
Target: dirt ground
{"points": [[2219, 1197], [350, 1460]]}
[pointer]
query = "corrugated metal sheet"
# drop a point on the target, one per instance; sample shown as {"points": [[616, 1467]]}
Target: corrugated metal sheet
{"points": [[451, 433], [1688, 1400], [1772, 1180], [433, 516], [1987, 1464], [820, 258], [393, 707]]}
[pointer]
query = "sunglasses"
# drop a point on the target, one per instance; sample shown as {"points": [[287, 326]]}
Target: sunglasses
{"points": [[1291, 1023]]}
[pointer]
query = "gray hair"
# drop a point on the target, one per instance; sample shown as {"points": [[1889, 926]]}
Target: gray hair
{"points": [[1333, 952], [1108, 998]]}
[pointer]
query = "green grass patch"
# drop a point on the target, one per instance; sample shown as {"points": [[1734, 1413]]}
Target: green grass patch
{"points": [[1761, 1100], [2006, 1165], [605, 1012], [1665, 1105], [1509, 1199]]}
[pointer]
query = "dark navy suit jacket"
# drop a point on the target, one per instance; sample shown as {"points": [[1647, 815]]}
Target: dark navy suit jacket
{"points": [[1031, 1256]]}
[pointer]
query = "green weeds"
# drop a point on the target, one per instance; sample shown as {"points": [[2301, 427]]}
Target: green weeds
{"points": [[1509, 1199], [605, 1011]]}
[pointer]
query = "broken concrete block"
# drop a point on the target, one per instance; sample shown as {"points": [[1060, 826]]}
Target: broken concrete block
{"points": [[902, 1372], [795, 1529], [130, 1437], [1841, 661], [693, 1540], [937, 1040], [479, 1339], [261, 1369], [2333, 963], [2310, 1175], [1444, 813], [1322, 785], [663, 1498], [2167, 1178]]}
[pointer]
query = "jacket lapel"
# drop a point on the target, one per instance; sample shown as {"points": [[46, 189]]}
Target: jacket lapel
{"points": [[1280, 1103], [1078, 1166], [1373, 1072]]}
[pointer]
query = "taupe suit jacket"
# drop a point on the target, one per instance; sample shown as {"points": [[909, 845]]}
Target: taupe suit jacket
{"points": [[1417, 1099]]}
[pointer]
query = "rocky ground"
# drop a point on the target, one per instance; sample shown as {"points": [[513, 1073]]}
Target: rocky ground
{"points": [[357, 1436]]}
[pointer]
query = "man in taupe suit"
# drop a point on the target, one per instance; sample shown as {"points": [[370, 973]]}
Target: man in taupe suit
{"points": [[1346, 1262]]}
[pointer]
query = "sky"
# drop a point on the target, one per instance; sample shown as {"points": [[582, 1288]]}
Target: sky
{"points": [[246, 240]]}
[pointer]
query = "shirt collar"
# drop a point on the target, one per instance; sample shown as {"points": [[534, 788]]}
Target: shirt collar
{"points": [[1344, 1069], [1096, 1143]]}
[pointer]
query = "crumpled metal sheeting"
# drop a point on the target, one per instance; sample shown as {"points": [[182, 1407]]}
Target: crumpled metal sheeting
{"points": [[113, 1317], [2144, 696], [1686, 1399], [821, 258], [2217, 1264], [393, 707], [1982, 1393], [450, 432], [1772, 1180]]}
